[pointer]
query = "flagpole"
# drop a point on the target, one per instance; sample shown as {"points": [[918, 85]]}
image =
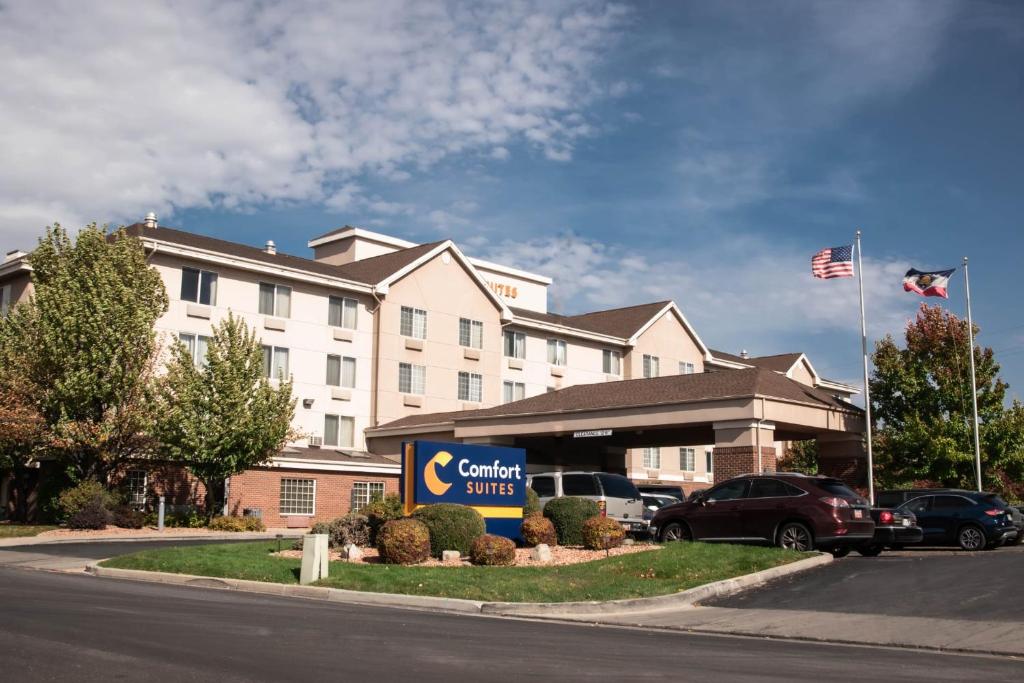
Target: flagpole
{"points": [[867, 388], [974, 381]]}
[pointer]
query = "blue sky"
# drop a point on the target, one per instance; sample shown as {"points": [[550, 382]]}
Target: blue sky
{"points": [[634, 151]]}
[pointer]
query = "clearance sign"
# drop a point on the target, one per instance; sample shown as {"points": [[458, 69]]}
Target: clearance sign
{"points": [[490, 479]]}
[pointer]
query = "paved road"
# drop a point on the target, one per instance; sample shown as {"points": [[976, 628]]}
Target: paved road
{"points": [[70, 556], [76, 627], [984, 586]]}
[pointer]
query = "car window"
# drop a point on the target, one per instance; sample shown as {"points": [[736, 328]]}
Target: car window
{"points": [[837, 488], [729, 491], [579, 485], [769, 488], [950, 503], [888, 500], [617, 486], [996, 500], [919, 505], [543, 486]]}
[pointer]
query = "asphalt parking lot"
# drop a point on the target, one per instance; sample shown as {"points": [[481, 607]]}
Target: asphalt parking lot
{"points": [[75, 556], [937, 583]]}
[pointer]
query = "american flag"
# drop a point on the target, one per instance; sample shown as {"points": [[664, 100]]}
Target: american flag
{"points": [[833, 262]]}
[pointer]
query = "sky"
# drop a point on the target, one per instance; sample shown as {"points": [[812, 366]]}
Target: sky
{"points": [[634, 151]]}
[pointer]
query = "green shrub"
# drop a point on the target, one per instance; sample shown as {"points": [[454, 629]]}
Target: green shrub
{"points": [[233, 523], [452, 527], [381, 511], [568, 515], [536, 530], [403, 541], [352, 528], [493, 551], [127, 518], [597, 529], [84, 493], [532, 507], [92, 515]]}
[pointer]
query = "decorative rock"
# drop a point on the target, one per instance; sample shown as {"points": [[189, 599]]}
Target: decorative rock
{"points": [[351, 552], [451, 556], [628, 541], [542, 553]]}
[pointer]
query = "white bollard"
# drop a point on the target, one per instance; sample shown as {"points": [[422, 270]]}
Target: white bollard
{"points": [[315, 558]]}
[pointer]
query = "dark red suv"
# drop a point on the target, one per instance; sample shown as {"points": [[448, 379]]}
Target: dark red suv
{"points": [[789, 510]]}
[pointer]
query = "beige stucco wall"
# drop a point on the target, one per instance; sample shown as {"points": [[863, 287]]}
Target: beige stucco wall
{"points": [[515, 291], [20, 284], [583, 363], [802, 374]]}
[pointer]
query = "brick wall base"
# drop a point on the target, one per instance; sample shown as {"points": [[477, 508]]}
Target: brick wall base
{"points": [[853, 471], [174, 482], [732, 461], [261, 488]]}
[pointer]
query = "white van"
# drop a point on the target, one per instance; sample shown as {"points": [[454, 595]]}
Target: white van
{"points": [[616, 495]]}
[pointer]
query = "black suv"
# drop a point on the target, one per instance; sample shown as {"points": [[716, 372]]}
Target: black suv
{"points": [[896, 498], [971, 520]]}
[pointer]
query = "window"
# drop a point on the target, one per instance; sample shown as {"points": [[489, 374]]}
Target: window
{"points": [[470, 387], [838, 488], [341, 372], [414, 323], [298, 496], [729, 491], [652, 458], [275, 300], [709, 461], [342, 312], [686, 459], [611, 362], [556, 351], [275, 362], [471, 333], [617, 486], [919, 506], [544, 487], [650, 366], [951, 502], [412, 379], [199, 286], [365, 492], [686, 368], [197, 346], [512, 391], [338, 431], [5, 300], [515, 344], [135, 482], [772, 488], [579, 485]]}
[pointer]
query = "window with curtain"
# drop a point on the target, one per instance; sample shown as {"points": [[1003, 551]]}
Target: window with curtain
{"points": [[275, 362], [342, 312], [411, 378], [275, 300], [197, 346], [686, 368], [652, 458], [512, 391], [470, 387], [611, 362], [515, 344], [339, 431], [199, 286], [651, 364], [687, 459], [471, 333], [556, 352], [413, 323]]}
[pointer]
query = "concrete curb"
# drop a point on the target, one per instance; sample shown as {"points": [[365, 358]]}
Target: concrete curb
{"points": [[225, 536], [683, 599]]}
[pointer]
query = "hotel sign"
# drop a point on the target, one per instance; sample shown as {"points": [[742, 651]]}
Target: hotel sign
{"points": [[591, 433], [507, 291]]}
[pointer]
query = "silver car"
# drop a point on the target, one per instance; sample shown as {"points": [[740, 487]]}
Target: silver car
{"points": [[616, 495]]}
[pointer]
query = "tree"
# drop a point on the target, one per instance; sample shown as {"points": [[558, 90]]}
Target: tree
{"points": [[800, 456], [83, 349], [921, 399], [222, 416]]}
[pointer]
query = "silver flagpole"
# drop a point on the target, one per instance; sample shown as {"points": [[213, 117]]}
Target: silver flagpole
{"points": [[974, 381], [867, 388]]}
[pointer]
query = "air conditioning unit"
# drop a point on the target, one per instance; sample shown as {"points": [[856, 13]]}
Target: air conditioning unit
{"points": [[316, 441]]}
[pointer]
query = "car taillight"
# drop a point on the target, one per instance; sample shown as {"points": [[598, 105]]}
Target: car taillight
{"points": [[994, 512], [835, 501], [603, 507], [885, 517]]}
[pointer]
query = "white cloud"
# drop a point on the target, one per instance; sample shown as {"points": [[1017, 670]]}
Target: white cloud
{"points": [[161, 105]]}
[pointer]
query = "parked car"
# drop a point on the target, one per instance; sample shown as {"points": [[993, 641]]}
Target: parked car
{"points": [[616, 495], [663, 490], [897, 497], [654, 502], [892, 528], [789, 510], [969, 519]]}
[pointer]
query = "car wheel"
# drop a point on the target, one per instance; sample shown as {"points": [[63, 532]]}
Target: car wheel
{"points": [[795, 536], [870, 550], [840, 552], [971, 537], [675, 532]]}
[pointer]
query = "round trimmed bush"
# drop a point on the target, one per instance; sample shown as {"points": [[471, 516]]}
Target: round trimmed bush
{"points": [[86, 493], [536, 530], [351, 528], [568, 515], [532, 507], [403, 541], [597, 529], [493, 551], [92, 515], [452, 527], [380, 511]]}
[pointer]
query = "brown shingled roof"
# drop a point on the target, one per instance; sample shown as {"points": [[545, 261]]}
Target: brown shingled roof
{"points": [[646, 392], [780, 362], [347, 456], [377, 268], [615, 322]]}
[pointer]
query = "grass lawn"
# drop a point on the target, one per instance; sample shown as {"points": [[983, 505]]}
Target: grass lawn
{"points": [[21, 530], [676, 567]]}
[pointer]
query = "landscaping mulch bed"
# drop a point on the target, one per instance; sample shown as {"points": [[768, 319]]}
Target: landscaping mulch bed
{"points": [[119, 532], [560, 555]]}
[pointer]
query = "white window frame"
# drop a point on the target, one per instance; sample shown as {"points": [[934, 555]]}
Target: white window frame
{"points": [[558, 352], [652, 366], [356, 506], [268, 370], [652, 458], [337, 438], [191, 340], [345, 305], [211, 278], [518, 344], [611, 361], [709, 460], [687, 459], [343, 363], [474, 385], [687, 368], [281, 293], [131, 483], [510, 389], [280, 498], [413, 323], [414, 370], [471, 333]]}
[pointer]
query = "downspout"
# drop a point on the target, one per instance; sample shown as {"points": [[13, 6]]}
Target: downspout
{"points": [[375, 373], [760, 421]]}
